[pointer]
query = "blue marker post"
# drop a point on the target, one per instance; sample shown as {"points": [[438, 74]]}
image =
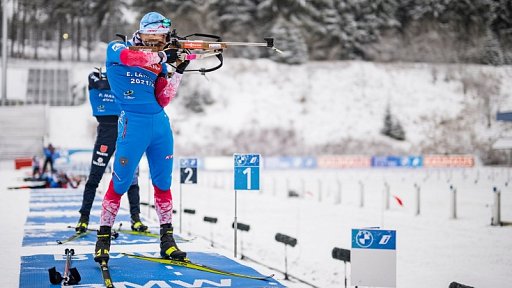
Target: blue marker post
{"points": [[247, 177], [188, 175]]}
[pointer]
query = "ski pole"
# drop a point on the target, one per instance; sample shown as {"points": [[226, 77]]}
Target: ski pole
{"points": [[68, 253], [71, 275]]}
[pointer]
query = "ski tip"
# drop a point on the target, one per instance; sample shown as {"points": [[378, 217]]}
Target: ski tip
{"points": [[264, 278]]}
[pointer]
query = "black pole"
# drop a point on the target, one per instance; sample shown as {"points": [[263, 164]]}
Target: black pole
{"points": [[345, 273], [285, 263], [286, 240], [212, 220], [343, 255]]}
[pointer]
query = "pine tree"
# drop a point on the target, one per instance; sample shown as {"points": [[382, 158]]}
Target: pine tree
{"points": [[501, 24], [492, 53], [290, 40], [194, 16], [392, 127], [322, 22], [237, 22]]}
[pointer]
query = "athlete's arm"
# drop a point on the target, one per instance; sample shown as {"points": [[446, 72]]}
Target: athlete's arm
{"points": [[118, 52], [165, 89]]}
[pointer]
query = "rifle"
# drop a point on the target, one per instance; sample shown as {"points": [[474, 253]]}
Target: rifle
{"points": [[195, 49]]}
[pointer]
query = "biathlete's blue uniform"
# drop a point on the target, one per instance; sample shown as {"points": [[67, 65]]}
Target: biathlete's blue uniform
{"points": [[139, 81], [143, 125]]}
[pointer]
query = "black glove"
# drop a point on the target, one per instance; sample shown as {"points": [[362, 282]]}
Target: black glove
{"points": [[183, 65], [172, 55]]}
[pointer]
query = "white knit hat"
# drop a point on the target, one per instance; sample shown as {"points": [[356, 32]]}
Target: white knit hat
{"points": [[154, 23]]}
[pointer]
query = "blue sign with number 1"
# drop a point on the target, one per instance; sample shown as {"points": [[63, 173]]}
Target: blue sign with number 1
{"points": [[247, 171]]}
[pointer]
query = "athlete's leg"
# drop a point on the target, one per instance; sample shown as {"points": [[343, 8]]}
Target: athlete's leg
{"points": [[132, 140], [160, 159], [104, 148], [134, 201], [133, 194]]}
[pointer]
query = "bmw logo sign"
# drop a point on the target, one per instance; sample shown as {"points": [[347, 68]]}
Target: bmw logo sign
{"points": [[364, 238]]}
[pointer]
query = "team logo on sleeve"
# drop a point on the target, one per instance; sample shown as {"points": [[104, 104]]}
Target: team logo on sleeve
{"points": [[99, 162], [127, 95], [102, 151], [123, 161], [117, 46], [103, 148]]}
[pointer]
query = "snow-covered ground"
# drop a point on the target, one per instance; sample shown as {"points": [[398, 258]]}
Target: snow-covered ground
{"points": [[432, 249], [14, 210]]}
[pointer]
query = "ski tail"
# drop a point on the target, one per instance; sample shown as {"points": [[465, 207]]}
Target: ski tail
{"points": [[196, 266], [154, 235], [105, 273], [131, 232], [115, 234]]}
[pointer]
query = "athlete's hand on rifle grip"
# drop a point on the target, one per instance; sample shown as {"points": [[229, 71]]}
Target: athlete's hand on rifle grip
{"points": [[172, 54], [181, 66]]}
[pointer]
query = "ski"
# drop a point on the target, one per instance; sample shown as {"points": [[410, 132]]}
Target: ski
{"points": [[135, 232], [139, 233], [149, 234], [115, 233], [196, 266], [153, 235], [105, 273], [73, 237]]}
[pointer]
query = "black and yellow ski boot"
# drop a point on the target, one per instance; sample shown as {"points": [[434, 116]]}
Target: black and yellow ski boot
{"points": [[83, 223], [168, 247], [137, 225], [101, 252]]}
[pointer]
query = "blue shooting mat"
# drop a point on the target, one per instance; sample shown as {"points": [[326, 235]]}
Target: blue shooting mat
{"points": [[53, 210], [68, 218], [41, 237], [129, 272]]}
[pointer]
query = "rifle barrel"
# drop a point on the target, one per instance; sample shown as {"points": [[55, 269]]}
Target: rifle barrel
{"points": [[256, 44], [200, 44]]}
